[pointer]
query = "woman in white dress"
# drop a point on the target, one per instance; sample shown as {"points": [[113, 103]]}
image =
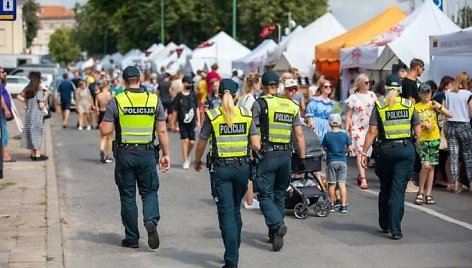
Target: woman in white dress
{"points": [[359, 107]]}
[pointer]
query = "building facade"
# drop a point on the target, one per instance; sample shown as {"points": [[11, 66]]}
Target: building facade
{"points": [[12, 34]]}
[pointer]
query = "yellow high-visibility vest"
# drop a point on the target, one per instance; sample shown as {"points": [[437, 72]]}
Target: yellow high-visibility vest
{"points": [[281, 113], [137, 113], [396, 120], [230, 141]]}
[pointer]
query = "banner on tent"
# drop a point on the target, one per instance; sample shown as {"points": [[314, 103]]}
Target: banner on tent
{"points": [[439, 4]]}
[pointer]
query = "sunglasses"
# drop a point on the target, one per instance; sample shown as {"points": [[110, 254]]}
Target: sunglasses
{"points": [[327, 86], [367, 83]]}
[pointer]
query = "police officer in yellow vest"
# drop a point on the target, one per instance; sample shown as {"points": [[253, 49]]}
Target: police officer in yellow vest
{"points": [[137, 116], [392, 122], [275, 117], [231, 131]]}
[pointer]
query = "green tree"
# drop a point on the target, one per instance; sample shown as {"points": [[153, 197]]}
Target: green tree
{"points": [[465, 17], [30, 17], [62, 47]]}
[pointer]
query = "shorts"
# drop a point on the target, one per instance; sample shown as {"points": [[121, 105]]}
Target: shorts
{"points": [[65, 104], [101, 114], [187, 131], [337, 172], [429, 152], [168, 105]]}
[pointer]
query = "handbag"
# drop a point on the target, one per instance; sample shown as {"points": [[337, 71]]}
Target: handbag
{"points": [[46, 112], [442, 140]]}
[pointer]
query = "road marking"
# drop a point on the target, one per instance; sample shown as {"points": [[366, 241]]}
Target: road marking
{"points": [[430, 212]]}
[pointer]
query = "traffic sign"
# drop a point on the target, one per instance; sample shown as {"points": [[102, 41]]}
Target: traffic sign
{"points": [[439, 4], [8, 10]]}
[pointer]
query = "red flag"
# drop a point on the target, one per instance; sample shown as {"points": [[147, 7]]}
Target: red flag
{"points": [[267, 30], [178, 50], [205, 44]]}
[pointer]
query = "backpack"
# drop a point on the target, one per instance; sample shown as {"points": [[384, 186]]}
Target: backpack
{"points": [[187, 107]]}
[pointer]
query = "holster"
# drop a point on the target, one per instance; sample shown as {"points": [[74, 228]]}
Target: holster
{"points": [[157, 148], [114, 148]]}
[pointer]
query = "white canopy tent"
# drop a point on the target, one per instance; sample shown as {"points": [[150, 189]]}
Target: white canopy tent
{"points": [[299, 48], [159, 55], [407, 40], [450, 53], [282, 46], [257, 59], [133, 57], [222, 49], [176, 59]]}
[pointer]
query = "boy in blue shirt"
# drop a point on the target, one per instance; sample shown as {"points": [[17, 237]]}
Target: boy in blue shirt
{"points": [[337, 143]]}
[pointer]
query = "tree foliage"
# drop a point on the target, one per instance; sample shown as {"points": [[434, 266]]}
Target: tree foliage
{"points": [[31, 20], [120, 25], [62, 47], [465, 17]]}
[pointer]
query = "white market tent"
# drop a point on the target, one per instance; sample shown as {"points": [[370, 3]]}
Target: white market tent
{"points": [[299, 51], [257, 59], [155, 47], [176, 60], [159, 55], [133, 57], [223, 51], [407, 40], [450, 53], [282, 46]]}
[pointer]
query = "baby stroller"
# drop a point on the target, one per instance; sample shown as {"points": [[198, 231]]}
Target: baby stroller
{"points": [[307, 191]]}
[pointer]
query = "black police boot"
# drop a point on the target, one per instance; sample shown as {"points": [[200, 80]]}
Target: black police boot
{"points": [[397, 236], [279, 238], [125, 243], [229, 266], [153, 236]]}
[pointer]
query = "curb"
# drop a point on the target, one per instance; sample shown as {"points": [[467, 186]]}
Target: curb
{"points": [[54, 243]]}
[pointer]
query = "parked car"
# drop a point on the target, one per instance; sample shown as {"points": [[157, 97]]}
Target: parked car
{"points": [[16, 84]]}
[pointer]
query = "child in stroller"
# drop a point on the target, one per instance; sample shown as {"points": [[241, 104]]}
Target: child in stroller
{"points": [[306, 188]]}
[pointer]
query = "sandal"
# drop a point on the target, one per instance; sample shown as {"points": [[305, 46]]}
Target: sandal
{"points": [[429, 200], [362, 182], [419, 199]]}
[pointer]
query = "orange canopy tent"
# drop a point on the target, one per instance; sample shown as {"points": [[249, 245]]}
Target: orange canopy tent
{"points": [[327, 54]]}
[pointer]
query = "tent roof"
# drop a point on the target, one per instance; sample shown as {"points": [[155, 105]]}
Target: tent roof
{"points": [[414, 41], [457, 43], [296, 59], [225, 47], [257, 58], [282, 46], [330, 50], [320, 30]]}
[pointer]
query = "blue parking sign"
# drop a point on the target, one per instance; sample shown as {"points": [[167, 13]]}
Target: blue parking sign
{"points": [[439, 4], [8, 10]]}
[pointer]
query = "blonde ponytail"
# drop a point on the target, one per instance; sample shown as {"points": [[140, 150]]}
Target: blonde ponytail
{"points": [[227, 108], [391, 97]]}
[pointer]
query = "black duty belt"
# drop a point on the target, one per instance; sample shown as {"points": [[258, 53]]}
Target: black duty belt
{"points": [[395, 143], [277, 147], [148, 146], [232, 160]]}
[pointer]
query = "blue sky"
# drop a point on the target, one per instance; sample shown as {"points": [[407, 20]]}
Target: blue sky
{"points": [[349, 12]]}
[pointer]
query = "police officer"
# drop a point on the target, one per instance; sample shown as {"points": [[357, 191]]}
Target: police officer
{"points": [[275, 117], [230, 129], [137, 115], [392, 121]]}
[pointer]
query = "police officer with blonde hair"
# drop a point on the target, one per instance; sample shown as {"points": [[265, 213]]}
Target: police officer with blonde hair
{"points": [[137, 116], [276, 117], [392, 121], [231, 131]]}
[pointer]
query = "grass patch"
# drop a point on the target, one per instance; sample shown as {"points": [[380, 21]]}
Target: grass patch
{"points": [[6, 184]]}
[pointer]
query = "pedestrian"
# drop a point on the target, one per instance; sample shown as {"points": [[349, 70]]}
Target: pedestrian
{"points": [[391, 121], [231, 130], [337, 143], [7, 115], [101, 102], [84, 105], [276, 117], [359, 107], [429, 140], [66, 91], [319, 108], [140, 115], [33, 131], [188, 118]]}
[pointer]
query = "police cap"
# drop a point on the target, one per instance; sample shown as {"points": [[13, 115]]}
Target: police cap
{"points": [[228, 84]]}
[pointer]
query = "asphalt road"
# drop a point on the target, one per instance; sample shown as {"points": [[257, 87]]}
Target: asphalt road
{"points": [[434, 236]]}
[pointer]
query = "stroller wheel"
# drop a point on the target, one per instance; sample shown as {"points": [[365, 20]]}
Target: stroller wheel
{"points": [[321, 209], [300, 211]]}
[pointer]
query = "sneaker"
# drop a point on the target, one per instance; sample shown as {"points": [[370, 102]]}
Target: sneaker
{"points": [[411, 187], [343, 209], [153, 236], [186, 164], [332, 208], [80, 128], [254, 205], [125, 243], [108, 160], [89, 127]]}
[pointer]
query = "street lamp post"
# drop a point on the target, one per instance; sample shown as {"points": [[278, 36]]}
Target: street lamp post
{"points": [[162, 21], [234, 19]]}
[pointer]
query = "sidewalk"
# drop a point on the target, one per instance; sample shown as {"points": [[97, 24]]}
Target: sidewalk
{"points": [[29, 210]]}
